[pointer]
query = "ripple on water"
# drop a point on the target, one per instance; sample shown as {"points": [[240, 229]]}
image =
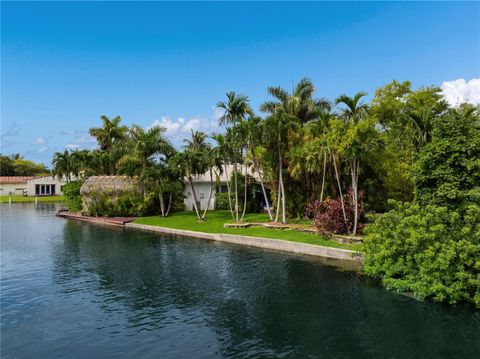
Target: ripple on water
{"points": [[93, 291]]}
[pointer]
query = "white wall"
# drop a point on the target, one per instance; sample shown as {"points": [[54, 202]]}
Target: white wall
{"points": [[15, 188], [202, 189], [47, 180]]}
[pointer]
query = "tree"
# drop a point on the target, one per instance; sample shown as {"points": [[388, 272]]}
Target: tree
{"points": [[300, 103], [236, 109], [108, 134], [447, 172], [64, 165], [193, 161], [277, 128], [360, 138]]}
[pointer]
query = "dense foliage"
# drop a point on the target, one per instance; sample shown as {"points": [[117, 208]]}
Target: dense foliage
{"points": [[431, 251], [432, 246], [15, 165], [128, 204], [72, 197], [448, 169]]}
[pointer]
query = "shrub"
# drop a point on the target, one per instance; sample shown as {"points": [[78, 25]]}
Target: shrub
{"points": [[72, 197], [447, 172], [431, 251], [128, 204], [221, 200], [328, 215]]}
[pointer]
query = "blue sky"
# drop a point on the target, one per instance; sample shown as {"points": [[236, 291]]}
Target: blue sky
{"points": [[65, 64]]}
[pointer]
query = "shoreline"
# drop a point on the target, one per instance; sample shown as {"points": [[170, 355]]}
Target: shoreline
{"points": [[250, 241]]}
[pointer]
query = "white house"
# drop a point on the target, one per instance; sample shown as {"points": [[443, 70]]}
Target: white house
{"points": [[14, 185], [45, 186], [201, 184]]}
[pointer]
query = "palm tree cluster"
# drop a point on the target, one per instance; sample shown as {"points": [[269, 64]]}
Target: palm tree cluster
{"points": [[303, 149]]}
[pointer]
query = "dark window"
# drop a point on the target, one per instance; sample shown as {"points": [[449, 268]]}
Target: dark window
{"points": [[37, 189]]}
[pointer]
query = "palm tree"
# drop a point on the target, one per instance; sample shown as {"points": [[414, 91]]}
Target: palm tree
{"points": [[193, 161], [277, 128], [106, 135], [353, 112], [224, 153], [64, 165], [236, 109], [300, 103]]}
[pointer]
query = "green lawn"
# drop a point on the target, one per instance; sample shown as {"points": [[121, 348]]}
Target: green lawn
{"points": [[23, 199], [216, 219]]}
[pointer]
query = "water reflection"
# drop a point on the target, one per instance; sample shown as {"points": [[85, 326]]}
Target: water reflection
{"points": [[115, 292]]}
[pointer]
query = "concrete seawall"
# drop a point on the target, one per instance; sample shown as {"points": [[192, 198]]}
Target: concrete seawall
{"points": [[260, 242]]}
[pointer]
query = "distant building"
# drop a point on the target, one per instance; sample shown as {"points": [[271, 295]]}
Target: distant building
{"points": [[14, 185], [201, 184], [45, 186]]}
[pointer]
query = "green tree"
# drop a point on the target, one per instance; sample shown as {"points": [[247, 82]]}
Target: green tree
{"points": [[447, 172], [108, 135], [235, 110]]}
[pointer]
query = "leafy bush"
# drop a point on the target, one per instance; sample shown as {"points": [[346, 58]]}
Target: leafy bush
{"points": [[221, 200], [447, 172], [431, 251], [328, 215], [72, 197], [128, 204]]}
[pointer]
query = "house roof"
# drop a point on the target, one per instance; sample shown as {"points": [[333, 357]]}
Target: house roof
{"points": [[14, 179], [108, 184], [223, 176]]}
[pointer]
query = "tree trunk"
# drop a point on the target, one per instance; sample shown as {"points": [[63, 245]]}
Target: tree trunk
{"points": [[209, 195], [265, 196], [354, 173], [229, 192], [323, 177], [279, 195], [194, 198], [339, 189], [169, 204], [162, 204], [236, 192], [245, 194], [284, 219]]}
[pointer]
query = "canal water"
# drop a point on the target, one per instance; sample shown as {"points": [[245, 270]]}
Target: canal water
{"points": [[78, 290]]}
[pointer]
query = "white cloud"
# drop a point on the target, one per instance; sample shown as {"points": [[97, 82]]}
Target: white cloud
{"points": [[217, 113], [180, 126], [166, 122], [460, 91], [71, 146], [42, 149], [39, 141]]}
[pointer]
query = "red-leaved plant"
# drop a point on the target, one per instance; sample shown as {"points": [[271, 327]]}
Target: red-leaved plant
{"points": [[328, 216]]}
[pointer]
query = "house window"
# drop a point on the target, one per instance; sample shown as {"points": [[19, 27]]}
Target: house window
{"points": [[44, 189]]}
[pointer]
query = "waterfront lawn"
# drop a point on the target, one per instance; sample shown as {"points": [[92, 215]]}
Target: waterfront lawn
{"points": [[24, 199], [216, 219]]}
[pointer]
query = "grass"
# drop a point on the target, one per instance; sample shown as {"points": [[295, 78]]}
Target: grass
{"points": [[23, 199], [216, 219]]}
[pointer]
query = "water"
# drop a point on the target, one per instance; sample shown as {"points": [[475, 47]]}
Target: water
{"points": [[77, 290]]}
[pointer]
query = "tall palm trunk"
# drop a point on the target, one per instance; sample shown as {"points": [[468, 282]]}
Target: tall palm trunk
{"points": [[162, 204], [194, 194], [284, 219], [236, 192], [265, 195], [229, 191], [354, 173], [245, 194], [339, 189], [209, 195], [323, 177], [169, 204]]}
